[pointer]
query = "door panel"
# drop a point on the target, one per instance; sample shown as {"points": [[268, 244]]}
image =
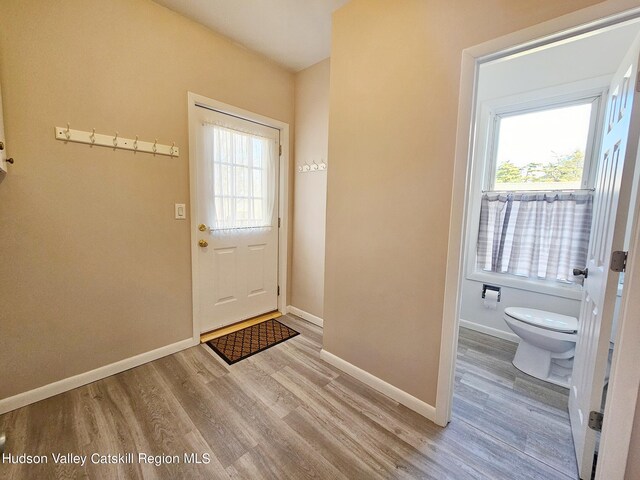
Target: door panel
{"points": [[238, 266], [611, 204], [226, 279], [257, 258]]}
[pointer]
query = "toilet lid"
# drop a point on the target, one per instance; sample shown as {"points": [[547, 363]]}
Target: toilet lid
{"points": [[540, 318]]}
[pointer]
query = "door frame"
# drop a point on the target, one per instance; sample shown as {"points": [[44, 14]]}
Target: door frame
{"points": [[3, 152], [623, 380], [197, 101]]}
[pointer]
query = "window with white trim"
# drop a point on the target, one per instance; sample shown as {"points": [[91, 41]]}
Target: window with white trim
{"points": [[536, 209], [546, 148], [242, 168]]}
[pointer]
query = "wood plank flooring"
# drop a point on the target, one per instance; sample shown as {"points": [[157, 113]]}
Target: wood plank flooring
{"points": [[498, 399], [286, 414]]}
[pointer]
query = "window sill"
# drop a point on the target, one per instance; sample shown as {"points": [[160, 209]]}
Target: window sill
{"points": [[571, 291]]}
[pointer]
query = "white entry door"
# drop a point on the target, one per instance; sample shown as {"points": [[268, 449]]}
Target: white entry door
{"points": [[611, 205], [237, 194]]}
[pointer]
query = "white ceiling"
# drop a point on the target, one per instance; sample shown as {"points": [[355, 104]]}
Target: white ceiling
{"points": [[592, 55], [293, 33]]}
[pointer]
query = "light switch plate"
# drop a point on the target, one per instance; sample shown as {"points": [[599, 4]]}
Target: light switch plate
{"points": [[181, 211]]}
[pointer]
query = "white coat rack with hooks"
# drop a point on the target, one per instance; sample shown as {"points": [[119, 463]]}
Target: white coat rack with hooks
{"points": [[66, 134], [312, 167]]}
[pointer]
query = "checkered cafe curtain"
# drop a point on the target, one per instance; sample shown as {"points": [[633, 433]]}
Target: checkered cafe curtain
{"points": [[542, 236]]}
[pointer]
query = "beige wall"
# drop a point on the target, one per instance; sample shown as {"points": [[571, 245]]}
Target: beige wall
{"points": [[93, 267], [312, 136], [395, 69]]}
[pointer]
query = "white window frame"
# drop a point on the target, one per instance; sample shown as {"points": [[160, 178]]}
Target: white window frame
{"points": [[596, 88], [497, 113], [250, 169]]}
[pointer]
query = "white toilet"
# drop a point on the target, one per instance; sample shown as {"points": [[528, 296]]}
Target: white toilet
{"points": [[547, 343]]}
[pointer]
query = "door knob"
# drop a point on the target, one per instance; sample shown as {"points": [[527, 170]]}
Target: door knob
{"points": [[203, 243], [202, 227], [578, 271]]}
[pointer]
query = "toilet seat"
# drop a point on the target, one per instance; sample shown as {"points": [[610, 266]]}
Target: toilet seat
{"points": [[542, 319]]}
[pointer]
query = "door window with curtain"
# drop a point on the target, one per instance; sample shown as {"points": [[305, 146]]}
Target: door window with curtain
{"points": [[242, 178], [535, 216]]}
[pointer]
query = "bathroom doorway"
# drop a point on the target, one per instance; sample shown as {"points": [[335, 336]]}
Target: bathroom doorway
{"points": [[528, 225]]}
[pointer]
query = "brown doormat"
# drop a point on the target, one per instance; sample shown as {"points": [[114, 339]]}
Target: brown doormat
{"points": [[239, 345]]}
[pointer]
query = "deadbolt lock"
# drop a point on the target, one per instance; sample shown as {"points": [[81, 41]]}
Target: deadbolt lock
{"points": [[1, 145], [203, 243], [202, 227]]}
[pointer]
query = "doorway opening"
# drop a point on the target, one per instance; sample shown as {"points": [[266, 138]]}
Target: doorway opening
{"points": [[239, 207], [552, 179]]}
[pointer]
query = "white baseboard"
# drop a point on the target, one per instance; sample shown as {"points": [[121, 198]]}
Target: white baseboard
{"points": [[66, 384], [381, 386], [494, 332], [306, 315]]}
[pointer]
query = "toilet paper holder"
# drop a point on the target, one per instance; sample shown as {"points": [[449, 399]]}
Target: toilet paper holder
{"points": [[492, 288]]}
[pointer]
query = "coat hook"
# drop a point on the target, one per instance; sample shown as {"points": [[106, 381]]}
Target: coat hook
{"points": [[93, 136], [135, 143], [115, 140], [67, 132], [155, 146]]}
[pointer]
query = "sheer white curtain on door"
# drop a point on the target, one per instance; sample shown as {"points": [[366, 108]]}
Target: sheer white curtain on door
{"points": [[239, 175]]}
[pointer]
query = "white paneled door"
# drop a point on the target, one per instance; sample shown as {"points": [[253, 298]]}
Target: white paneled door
{"points": [[237, 233], [611, 205]]}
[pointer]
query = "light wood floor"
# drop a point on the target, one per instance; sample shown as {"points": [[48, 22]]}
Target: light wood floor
{"points": [[286, 414], [496, 398]]}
